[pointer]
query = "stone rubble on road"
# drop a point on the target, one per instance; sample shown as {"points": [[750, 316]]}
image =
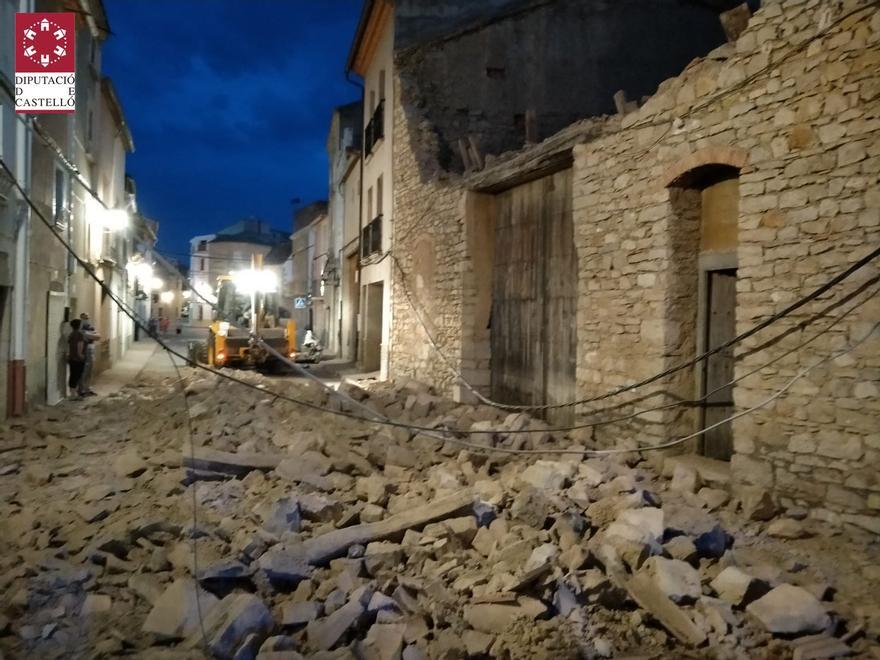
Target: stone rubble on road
{"points": [[323, 537]]}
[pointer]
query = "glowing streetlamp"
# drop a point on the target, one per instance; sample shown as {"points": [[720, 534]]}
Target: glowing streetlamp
{"points": [[252, 281], [107, 219], [166, 297]]}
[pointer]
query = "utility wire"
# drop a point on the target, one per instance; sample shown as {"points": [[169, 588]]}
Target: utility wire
{"points": [[125, 310], [797, 304], [433, 432], [264, 391]]}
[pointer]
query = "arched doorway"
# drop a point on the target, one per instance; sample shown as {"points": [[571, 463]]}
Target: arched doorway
{"points": [[705, 202]]}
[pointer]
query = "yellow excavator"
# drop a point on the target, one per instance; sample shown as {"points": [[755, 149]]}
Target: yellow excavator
{"points": [[247, 316]]}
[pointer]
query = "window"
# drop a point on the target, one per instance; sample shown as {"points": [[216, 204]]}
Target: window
{"points": [[60, 201], [382, 85], [378, 196], [370, 204], [203, 245], [202, 263]]}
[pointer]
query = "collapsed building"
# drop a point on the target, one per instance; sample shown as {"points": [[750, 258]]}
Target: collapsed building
{"points": [[623, 245]]}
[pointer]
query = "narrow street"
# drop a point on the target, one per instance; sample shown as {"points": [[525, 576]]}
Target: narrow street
{"points": [[440, 329], [332, 538]]}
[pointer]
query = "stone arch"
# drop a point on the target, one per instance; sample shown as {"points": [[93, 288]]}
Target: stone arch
{"points": [[677, 173], [703, 190]]}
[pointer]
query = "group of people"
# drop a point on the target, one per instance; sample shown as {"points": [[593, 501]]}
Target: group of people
{"points": [[81, 345], [162, 324]]}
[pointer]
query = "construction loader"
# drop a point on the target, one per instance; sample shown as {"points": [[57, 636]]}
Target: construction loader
{"points": [[247, 315]]}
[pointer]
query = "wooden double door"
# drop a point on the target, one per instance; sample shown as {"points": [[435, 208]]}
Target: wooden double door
{"points": [[534, 296]]}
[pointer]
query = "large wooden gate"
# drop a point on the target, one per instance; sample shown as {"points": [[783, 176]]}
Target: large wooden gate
{"points": [[534, 292]]}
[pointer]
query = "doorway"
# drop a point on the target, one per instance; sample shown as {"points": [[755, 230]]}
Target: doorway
{"points": [[533, 334], [55, 365], [373, 304], [718, 372], [350, 304]]}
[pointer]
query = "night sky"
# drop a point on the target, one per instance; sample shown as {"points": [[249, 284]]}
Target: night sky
{"points": [[229, 103]]}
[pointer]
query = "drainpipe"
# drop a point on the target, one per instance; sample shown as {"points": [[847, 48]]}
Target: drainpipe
{"points": [[17, 374]]}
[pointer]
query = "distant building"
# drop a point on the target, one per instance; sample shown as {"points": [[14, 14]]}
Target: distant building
{"points": [[309, 251], [231, 248], [341, 289]]}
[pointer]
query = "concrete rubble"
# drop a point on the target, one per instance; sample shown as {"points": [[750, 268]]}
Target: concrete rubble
{"points": [[322, 537]]}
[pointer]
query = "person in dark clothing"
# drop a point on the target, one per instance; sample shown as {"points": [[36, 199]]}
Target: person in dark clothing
{"points": [[76, 357]]}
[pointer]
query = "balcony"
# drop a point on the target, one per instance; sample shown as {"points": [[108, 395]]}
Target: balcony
{"points": [[375, 129], [371, 238]]}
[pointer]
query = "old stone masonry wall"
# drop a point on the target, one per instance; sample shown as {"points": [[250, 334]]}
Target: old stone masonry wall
{"points": [[792, 107], [427, 248]]}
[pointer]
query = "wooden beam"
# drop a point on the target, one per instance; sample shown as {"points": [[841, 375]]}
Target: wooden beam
{"points": [[321, 549]]}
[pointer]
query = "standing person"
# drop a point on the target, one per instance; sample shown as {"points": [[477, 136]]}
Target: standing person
{"points": [[76, 358], [164, 323], [91, 337]]}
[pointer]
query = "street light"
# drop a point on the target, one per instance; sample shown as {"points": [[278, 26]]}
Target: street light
{"points": [[106, 218], [251, 281], [166, 297]]}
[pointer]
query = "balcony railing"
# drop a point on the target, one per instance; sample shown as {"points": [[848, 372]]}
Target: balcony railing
{"points": [[375, 129], [371, 237]]}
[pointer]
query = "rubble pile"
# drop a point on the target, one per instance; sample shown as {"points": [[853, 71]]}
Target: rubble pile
{"points": [[324, 537]]}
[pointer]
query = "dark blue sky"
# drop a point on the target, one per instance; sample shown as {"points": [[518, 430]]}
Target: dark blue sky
{"points": [[229, 103]]}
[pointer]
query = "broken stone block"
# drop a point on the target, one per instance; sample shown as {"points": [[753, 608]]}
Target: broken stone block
{"points": [[374, 489], [484, 541], [327, 632], [787, 528], [319, 508], [640, 525], [380, 602], [531, 506], [477, 643], [737, 587], [790, 610], [284, 566], [757, 504], [679, 581], [495, 617], [548, 475], [175, 615], [238, 620], [299, 614], [713, 498], [593, 472], [372, 513], [681, 547], [402, 456], [383, 642], [382, 556], [684, 479], [283, 516], [542, 555]]}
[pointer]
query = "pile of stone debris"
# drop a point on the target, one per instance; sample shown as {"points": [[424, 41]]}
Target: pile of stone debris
{"points": [[323, 537]]}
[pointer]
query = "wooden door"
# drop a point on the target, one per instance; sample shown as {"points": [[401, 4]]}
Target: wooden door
{"points": [[718, 368], [534, 291]]}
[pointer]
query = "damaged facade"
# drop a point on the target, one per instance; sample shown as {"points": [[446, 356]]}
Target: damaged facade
{"points": [[450, 64], [622, 246]]}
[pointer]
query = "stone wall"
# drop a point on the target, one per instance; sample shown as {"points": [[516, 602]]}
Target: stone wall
{"points": [[481, 66], [795, 114], [427, 251], [799, 119]]}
